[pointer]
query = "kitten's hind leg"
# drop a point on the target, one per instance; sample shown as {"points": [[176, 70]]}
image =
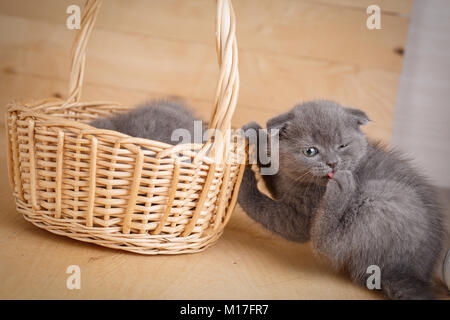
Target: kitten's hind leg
{"points": [[404, 287]]}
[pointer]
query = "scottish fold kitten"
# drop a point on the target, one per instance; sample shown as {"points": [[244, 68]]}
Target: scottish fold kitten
{"points": [[155, 120], [358, 203]]}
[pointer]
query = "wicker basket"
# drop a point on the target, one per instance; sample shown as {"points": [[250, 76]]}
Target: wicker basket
{"points": [[122, 192]]}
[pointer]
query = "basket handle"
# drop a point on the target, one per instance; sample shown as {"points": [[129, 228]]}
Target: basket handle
{"points": [[78, 53], [227, 54]]}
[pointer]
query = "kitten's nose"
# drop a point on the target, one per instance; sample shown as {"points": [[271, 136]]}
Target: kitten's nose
{"points": [[332, 164]]}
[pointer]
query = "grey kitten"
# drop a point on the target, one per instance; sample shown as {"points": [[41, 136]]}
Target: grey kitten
{"points": [[155, 120], [358, 203]]}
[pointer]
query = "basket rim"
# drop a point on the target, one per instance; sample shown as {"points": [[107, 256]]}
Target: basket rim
{"points": [[35, 109]]}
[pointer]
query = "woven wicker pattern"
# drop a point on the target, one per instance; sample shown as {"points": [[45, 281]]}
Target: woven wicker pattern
{"points": [[118, 191]]}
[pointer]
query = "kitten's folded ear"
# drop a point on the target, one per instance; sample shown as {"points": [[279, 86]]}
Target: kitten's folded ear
{"points": [[360, 116], [280, 122]]}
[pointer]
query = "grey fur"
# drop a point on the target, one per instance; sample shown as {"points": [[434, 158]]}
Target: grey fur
{"points": [[154, 120], [377, 210]]}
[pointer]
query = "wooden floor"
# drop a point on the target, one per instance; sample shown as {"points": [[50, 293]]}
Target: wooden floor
{"points": [[290, 51]]}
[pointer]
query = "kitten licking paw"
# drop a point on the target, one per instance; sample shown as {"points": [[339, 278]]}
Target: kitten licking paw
{"points": [[360, 204], [339, 191]]}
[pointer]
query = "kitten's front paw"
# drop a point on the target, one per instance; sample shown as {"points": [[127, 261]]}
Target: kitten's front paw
{"points": [[251, 131], [248, 186], [345, 180], [340, 189]]}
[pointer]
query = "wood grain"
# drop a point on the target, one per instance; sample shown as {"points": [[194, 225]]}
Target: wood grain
{"points": [[397, 7], [304, 28]]}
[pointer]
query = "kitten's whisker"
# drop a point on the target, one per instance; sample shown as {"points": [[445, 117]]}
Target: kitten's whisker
{"points": [[302, 176]]}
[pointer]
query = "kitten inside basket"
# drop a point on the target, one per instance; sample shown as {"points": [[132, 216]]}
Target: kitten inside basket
{"points": [[155, 120]]}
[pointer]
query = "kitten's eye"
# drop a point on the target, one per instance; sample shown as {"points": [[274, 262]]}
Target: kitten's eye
{"points": [[342, 146], [311, 152]]}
